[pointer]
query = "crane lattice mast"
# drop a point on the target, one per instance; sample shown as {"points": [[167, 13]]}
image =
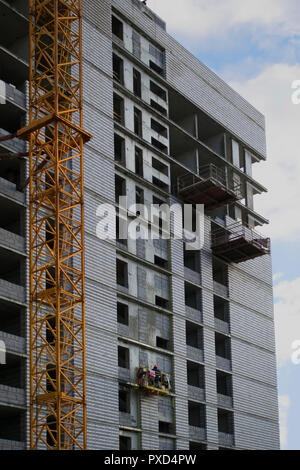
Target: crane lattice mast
{"points": [[56, 138]]}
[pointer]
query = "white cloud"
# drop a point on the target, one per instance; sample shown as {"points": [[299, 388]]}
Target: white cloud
{"points": [[277, 276], [271, 92], [199, 18], [287, 318], [284, 406]]}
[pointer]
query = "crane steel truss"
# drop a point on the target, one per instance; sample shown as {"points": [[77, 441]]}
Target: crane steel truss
{"points": [[56, 137]]}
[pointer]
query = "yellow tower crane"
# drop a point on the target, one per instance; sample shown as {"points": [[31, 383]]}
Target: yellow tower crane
{"points": [[56, 137]]}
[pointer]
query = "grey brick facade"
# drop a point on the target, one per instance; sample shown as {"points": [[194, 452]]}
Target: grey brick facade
{"points": [[195, 414]]}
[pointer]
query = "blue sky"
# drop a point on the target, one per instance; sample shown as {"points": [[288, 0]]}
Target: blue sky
{"points": [[255, 46]]}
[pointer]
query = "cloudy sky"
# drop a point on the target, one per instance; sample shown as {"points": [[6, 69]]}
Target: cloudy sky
{"points": [[254, 45]]}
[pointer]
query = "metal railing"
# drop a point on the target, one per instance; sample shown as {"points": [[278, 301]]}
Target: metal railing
{"points": [[210, 172], [150, 379], [237, 231]]}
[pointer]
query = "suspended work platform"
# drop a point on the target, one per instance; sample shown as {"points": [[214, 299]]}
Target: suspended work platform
{"points": [[211, 188], [153, 382], [237, 243]]}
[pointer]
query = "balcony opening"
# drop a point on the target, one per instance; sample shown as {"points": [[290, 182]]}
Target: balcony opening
{"points": [[120, 187], [139, 162], [119, 222], [118, 105], [139, 195], [161, 147], [195, 375], [223, 346], [12, 318], [138, 122], [156, 68], [194, 335], [159, 128], [122, 273], [137, 83], [197, 415], [220, 272], [158, 91], [11, 373], [160, 184], [117, 28], [162, 343], [192, 260], [158, 107], [224, 384], [220, 277], [221, 309], [225, 422], [12, 267], [12, 424], [123, 357], [161, 302], [124, 399], [125, 443], [119, 146], [161, 262], [122, 313], [12, 216], [196, 446], [118, 69], [193, 296], [165, 428], [157, 53], [159, 166]]}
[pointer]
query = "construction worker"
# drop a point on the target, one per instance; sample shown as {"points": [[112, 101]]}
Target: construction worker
{"points": [[157, 375], [141, 374]]}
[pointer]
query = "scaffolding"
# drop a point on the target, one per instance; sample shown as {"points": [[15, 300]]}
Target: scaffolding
{"points": [[210, 187], [238, 242], [153, 382]]}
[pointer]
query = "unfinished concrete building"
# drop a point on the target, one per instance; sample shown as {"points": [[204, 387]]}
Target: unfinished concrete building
{"points": [[165, 129]]}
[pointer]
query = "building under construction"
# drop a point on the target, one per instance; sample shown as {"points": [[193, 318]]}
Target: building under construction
{"points": [[127, 343]]}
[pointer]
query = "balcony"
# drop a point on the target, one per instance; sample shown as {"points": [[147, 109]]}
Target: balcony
{"points": [[210, 188], [238, 243]]}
